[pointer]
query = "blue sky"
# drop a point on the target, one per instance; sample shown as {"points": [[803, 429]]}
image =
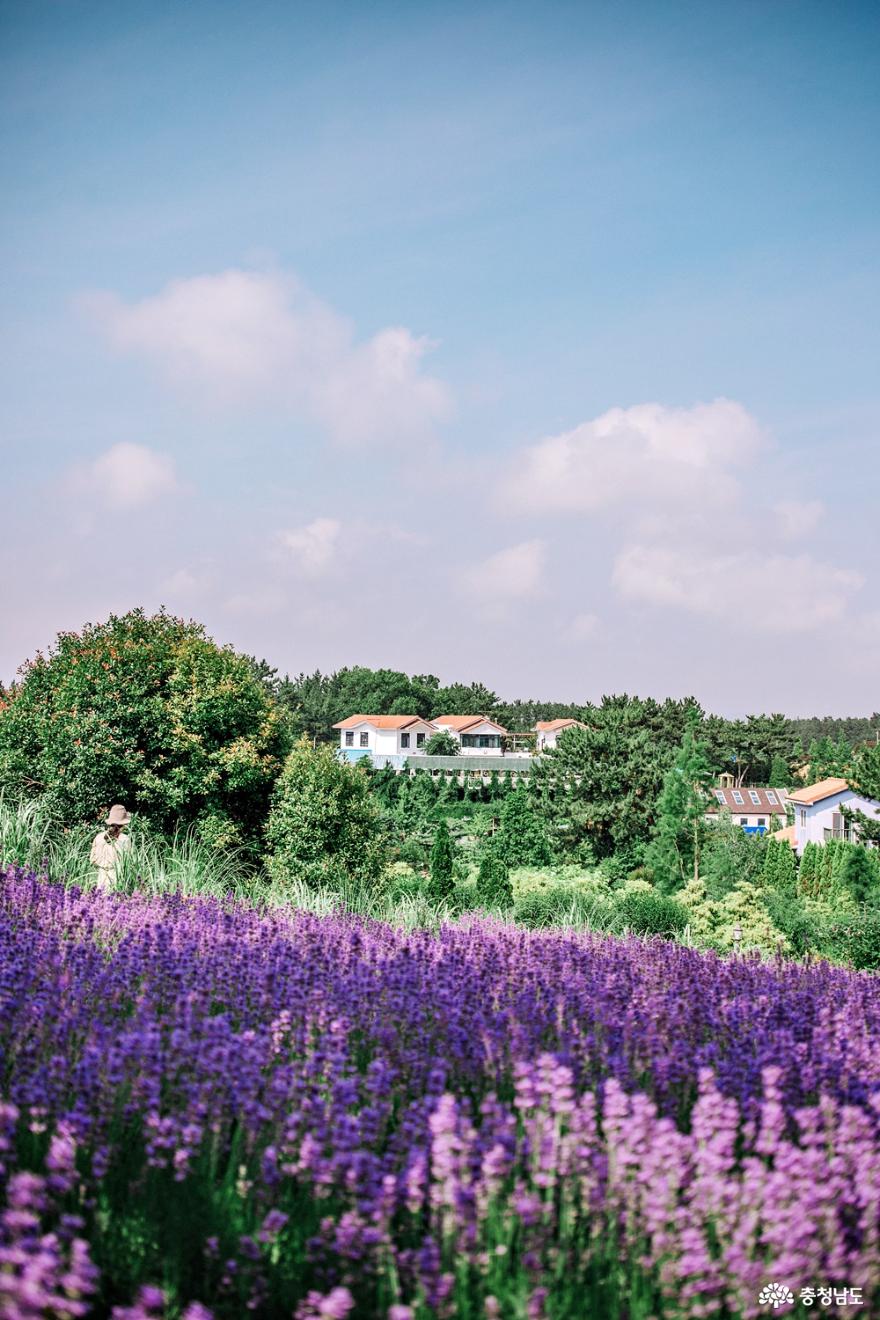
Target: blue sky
{"points": [[533, 344]]}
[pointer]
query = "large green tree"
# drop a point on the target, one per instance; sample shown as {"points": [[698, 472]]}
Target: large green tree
{"points": [[865, 780], [680, 827], [149, 711], [325, 828], [522, 837]]}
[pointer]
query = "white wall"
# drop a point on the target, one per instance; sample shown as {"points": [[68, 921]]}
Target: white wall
{"points": [[811, 822]]}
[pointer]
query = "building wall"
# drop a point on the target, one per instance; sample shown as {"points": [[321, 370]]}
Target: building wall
{"points": [[812, 822]]}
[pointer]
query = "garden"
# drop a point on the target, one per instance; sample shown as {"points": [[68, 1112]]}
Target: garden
{"points": [[350, 1043]]}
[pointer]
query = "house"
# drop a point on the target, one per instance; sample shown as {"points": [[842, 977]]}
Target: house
{"points": [[818, 816], [751, 808], [382, 735], [476, 735], [547, 732]]}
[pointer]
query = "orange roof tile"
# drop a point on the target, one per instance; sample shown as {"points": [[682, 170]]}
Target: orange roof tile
{"points": [[461, 723], [382, 721], [549, 726], [825, 788], [785, 835]]}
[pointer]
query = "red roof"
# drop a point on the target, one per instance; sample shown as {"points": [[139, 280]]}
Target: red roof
{"points": [[747, 806], [553, 726], [382, 721]]}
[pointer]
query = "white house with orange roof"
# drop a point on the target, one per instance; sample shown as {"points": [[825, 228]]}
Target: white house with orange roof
{"points": [[382, 735], [547, 732], [476, 735], [818, 816]]}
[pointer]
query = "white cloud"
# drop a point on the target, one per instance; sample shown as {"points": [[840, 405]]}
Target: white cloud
{"points": [[797, 518], [648, 456], [765, 593], [312, 548], [508, 575], [253, 334], [583, 627], [126, 477]]}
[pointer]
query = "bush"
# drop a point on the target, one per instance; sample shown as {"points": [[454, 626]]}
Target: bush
{"points": [[325, 829], [522, 838], [854, 940], [493, 881], [442, 743], [543, 907], [790, 916], [648, 912], [150, 712]]}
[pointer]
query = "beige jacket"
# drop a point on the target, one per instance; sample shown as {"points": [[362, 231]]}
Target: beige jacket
{"points": [[105, 856]]}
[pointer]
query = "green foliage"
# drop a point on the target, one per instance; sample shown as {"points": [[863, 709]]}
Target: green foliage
{"points": [[325, 828], [860, 874], [674, 852], [712, 923], [730, 856], [522, 838], [780, 868], [442, 743], [494, 888], [150, 712], [442, 865], [809, 871], [792, 917], [854, 939], [780, 772], [829, 759], [865, 780], [646, 911]]}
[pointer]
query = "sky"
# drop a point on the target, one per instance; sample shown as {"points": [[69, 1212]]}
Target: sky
{"points": [[533, 344]]}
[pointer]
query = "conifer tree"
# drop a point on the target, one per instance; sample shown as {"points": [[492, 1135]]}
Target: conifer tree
{"points": [[522, 838], [780, 774], [674, 852], [857, 874], [809, 872], [494, 888], [442, 864], [865, 780]]}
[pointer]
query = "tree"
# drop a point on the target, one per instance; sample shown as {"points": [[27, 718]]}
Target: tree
{"points": [[522, 838], [442, 743], [464, 699], [442, 865], [865, 780], [809, 872], [149, 711], [494, 888], [780, 870], [858, 875], [731, 857], [780, 774], [674, 851], [325, 828]]}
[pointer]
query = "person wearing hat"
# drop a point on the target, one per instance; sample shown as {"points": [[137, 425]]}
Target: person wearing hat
{"points": [[109, 846]]}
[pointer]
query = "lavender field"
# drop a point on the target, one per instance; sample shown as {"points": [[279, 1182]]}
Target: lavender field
{"points": [[209, 1110]]}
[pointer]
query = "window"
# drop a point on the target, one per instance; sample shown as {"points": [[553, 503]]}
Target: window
{"points": [[802, 816], [420, 740], [762, 820], [755, 797], [404, 740], [720, 796], [349, 740], [743, 820], [468, 740], [738, 798], [365, 740], [771, 798], [486, 740]]}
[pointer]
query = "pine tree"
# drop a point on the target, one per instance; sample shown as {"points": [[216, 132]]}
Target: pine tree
{"points": [[865, 780], [442, 879], [493, 881], [857, 874], [522, 838], [780, 774], [674, 852]]}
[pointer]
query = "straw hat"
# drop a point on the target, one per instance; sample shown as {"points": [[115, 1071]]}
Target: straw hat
{"points": [[118, 816]]}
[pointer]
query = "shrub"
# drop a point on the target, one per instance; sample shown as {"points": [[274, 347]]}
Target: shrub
{"points": [[790, 916], [325, 829], [648, 912], [859, 873], [150, 712], [543, 907], [493, 881], [854, 939], [442, 743]]}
